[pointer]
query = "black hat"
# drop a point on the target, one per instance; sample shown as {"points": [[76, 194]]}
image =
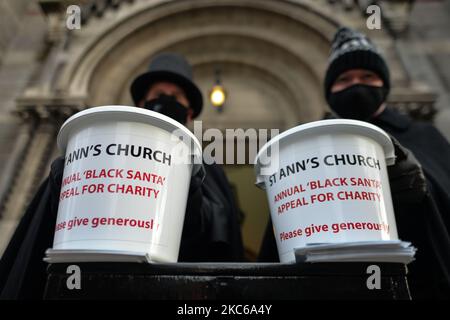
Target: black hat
{"points": [[353, 50], [173, 68]]}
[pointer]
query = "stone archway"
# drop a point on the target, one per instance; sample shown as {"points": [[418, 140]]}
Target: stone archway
{"points": [[211, 33]]}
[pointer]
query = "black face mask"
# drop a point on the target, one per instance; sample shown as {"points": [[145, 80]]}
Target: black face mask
{"points": [[358, 102], [168, 106]]}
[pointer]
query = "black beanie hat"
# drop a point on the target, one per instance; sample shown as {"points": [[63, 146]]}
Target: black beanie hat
{"points": [[353, 50]]}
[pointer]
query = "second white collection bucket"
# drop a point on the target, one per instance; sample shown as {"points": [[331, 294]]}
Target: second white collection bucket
{"points": [[327, 182], [126, 180]]}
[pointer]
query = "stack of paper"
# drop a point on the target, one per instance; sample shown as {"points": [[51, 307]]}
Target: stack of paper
{"points": [[65, 256], [395, 251]]}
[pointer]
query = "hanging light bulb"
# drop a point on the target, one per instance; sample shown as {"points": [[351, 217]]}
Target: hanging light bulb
{"points": [[218, 95]]}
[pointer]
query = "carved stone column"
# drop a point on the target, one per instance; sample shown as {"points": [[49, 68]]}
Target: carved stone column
{"points": [[396, 14], [29, 170], [43, 123]]}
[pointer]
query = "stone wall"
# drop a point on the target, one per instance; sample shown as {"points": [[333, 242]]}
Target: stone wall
{"points": [[21, 40]]}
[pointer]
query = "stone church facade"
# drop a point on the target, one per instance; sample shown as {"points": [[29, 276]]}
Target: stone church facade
{"points": [[272, 55]]}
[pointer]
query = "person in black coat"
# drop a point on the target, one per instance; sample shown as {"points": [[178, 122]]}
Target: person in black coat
{"points": [[356, 87], [211, 231]]}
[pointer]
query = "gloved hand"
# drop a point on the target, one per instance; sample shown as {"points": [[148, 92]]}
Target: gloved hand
{"points": [[406, 177]]}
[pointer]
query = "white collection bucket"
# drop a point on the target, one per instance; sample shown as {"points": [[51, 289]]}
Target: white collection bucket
{"points": [[327, 182], [126, 180]]}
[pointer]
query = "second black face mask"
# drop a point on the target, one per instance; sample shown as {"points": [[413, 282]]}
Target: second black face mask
{"points": [[168, 106], [358, 102]]}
